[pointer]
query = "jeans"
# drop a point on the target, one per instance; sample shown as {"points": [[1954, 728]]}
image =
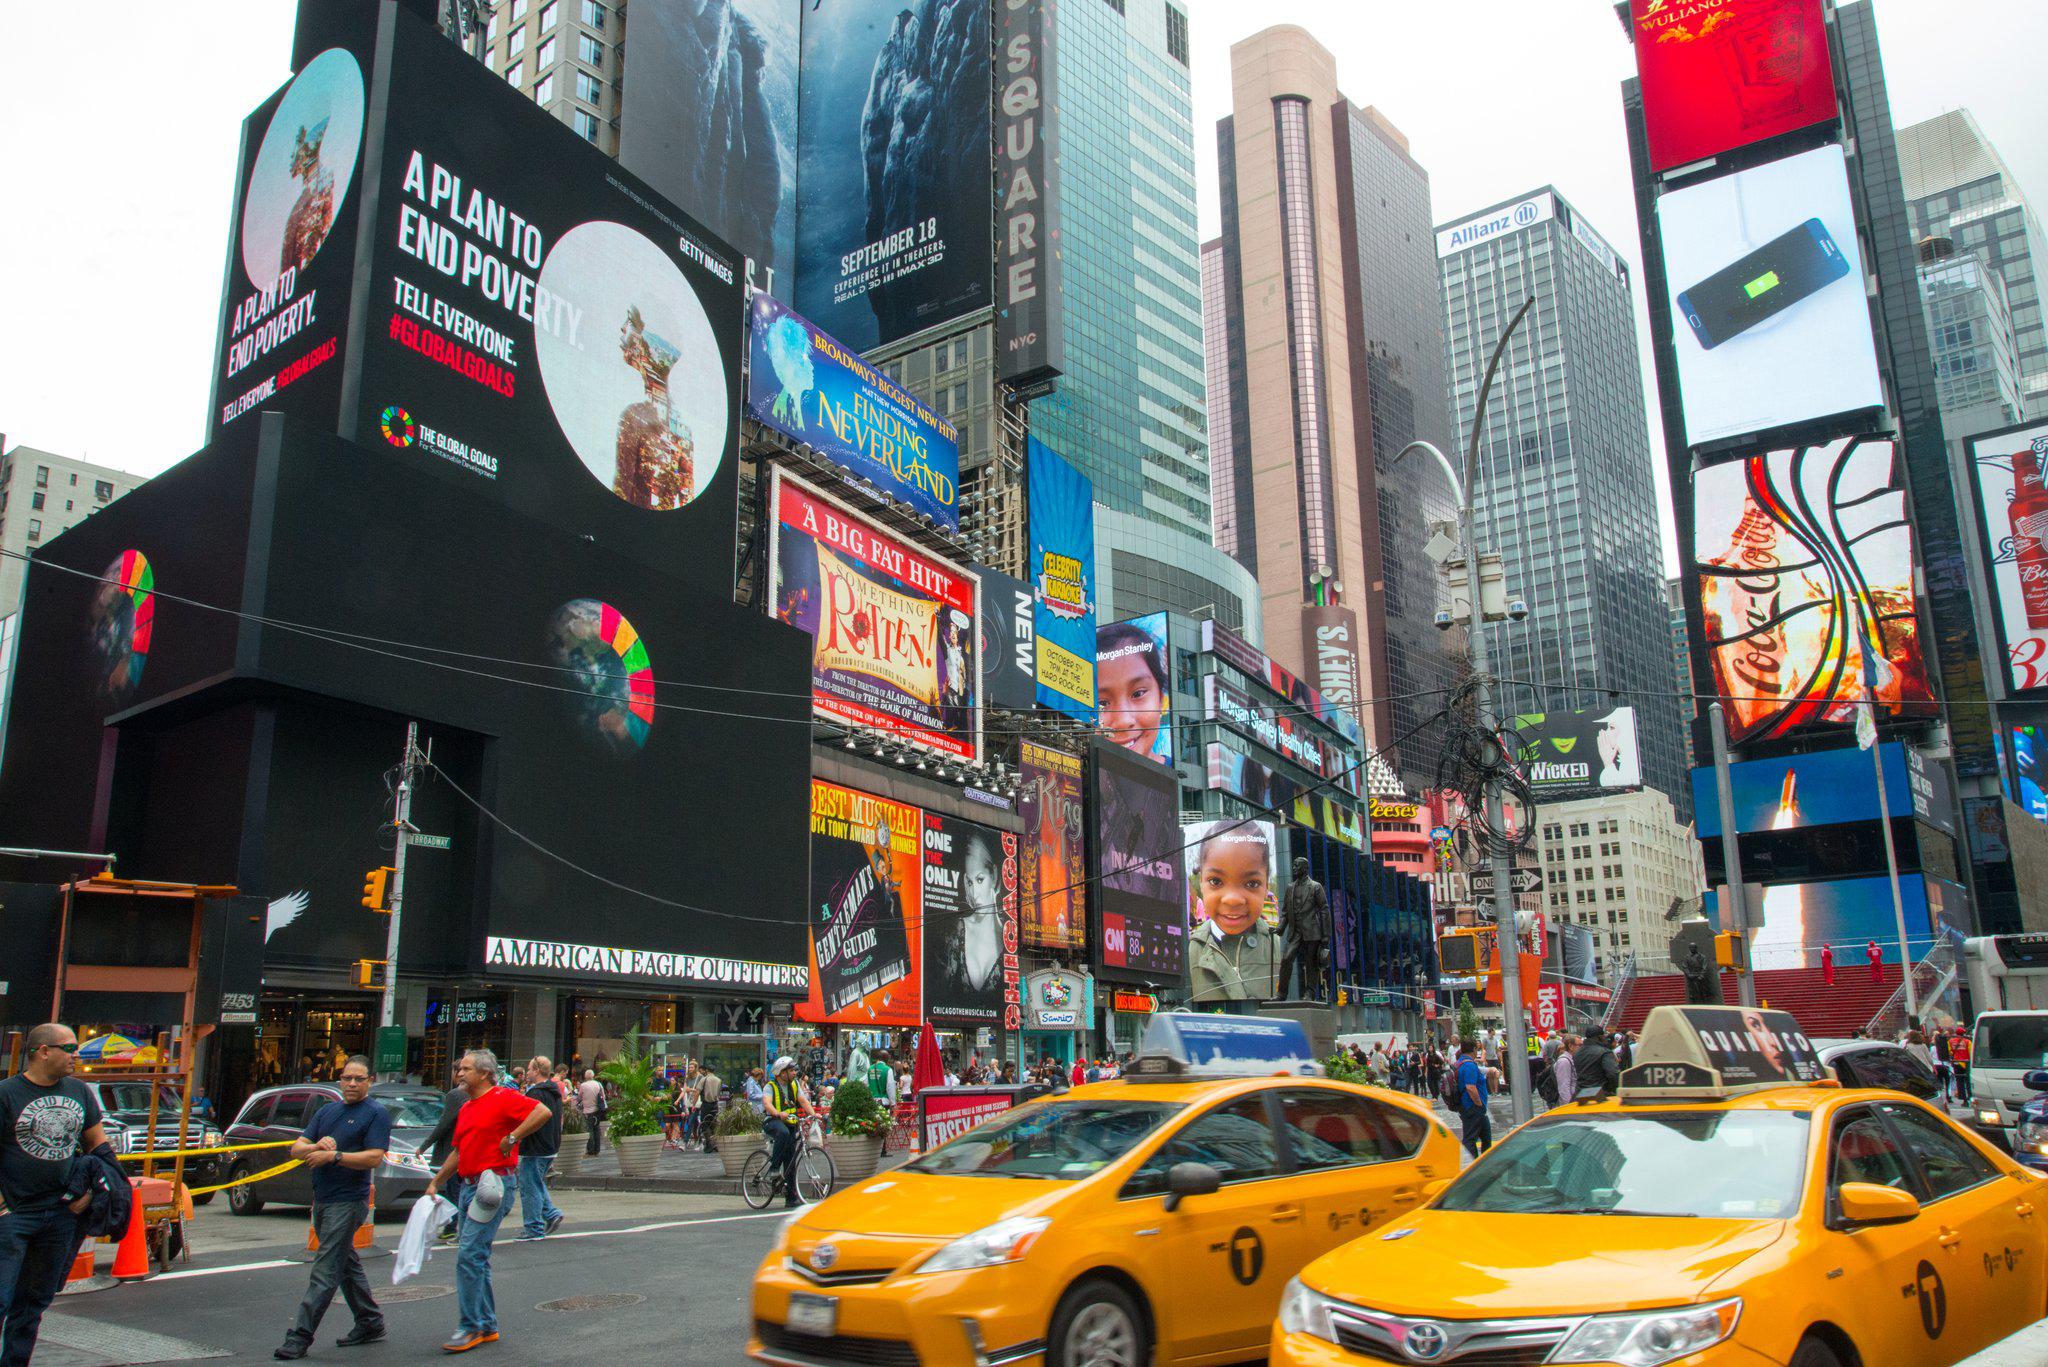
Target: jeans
{"points": [[473, 1264], [337, 1266], [36, 1249], [1477, 1124], [782, 1154], [709, 1119], [596, 1140], [536, 1208]]}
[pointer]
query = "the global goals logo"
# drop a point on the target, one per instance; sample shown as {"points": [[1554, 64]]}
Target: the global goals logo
{"points": [[398, 427]]}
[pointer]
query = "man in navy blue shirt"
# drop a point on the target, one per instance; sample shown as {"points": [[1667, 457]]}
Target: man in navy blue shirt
{"points": [[1476, 1120], [343, 1146]]}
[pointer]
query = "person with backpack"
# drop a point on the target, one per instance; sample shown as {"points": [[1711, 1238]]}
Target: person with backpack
{"points": [[1598, 1073], [1565, 1071], [1474, 1119], [590, 1101]]}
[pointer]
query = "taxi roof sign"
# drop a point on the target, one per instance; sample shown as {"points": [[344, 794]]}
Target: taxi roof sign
{"points": [[1692, 1053], [1200, 1044]]}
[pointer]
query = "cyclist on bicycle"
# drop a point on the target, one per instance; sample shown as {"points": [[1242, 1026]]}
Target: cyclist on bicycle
{"points": [[787, 1103]]}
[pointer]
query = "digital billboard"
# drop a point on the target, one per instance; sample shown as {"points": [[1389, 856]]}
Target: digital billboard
{"points": [[969, 924], [1824, 788], [896, 196], [1009, 648], [707, 116], [1566, 756], [1134, 855], [1281, 730], [1721, 74], [1233, 873], [1230, 771], [1804, 559], [1770, 320], [805, 385], [2030, 770], [895, 641], [1848, 914], [1053, 876], [1061, 503], [867, 888], [1134, 688], [1221, 641], [2012, 516]]}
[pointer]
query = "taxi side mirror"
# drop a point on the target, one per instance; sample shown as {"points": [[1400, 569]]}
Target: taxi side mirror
{"points": [[1190, 1179], [1866, 1203], [2036, 1080], [1432, 1190]]}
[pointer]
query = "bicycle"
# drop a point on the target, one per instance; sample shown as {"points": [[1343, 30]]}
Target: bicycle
{"points": [[815, 1173]]}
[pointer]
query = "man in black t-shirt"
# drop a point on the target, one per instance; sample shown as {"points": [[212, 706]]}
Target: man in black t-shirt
{"points": [[342, 1145], [537, 1155], [47, 1118]]}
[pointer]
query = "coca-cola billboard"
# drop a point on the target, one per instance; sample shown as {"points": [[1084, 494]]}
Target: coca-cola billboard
{"points": [[2012, 515], [1804, 562]]}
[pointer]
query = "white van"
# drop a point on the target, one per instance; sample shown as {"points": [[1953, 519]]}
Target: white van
{"points": [[2005, 1047]]}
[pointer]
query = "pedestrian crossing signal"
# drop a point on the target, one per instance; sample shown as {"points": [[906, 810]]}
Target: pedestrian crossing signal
{"points": [[366, 972], [1731, 950], [373, 887]]}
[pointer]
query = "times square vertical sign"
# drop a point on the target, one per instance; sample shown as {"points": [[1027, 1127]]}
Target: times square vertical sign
{"points": [[1030, 341]]}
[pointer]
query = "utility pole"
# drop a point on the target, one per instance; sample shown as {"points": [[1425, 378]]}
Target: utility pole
{"points": [[1734, 896], [404, 825], [1866, 736], [1507, 924]]}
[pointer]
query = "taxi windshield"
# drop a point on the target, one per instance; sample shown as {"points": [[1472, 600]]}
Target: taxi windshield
{"points": [[1060, 1141], [1730, 1165]]}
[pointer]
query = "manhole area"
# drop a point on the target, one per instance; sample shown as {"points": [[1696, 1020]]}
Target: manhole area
{"points": [[398, 1295], [617, 1300]]}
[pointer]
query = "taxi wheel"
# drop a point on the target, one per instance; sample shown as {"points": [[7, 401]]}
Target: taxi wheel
{"points": [[1098, 1324], [1814, 1353]]}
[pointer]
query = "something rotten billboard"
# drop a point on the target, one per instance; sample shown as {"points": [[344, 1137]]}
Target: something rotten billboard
{"points": [[2012, 514], [532, 322], [895, 642], [1720, 74], [969, 924], [895, 232], [1062, 572], [1797, 552], [807, 386], [1566, 756], [866, 894]]}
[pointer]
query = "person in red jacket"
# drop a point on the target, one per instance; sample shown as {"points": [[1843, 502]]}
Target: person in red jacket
{"points": [[488, 1129], [1827, 965], [1079, 1074], [1876, 957]]}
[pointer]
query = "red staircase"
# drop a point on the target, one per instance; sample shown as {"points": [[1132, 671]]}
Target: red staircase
{"points": [[1822, 1011]]}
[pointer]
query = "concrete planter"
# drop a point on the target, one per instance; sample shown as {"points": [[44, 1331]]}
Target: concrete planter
{"points": [[637, 1154], [854, 1155], [569, 1161], [735, 1149]]}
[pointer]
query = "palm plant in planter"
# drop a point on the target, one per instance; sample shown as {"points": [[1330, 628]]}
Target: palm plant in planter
{"points": [[738, 1130], [635, 1117], [854, 1130]]}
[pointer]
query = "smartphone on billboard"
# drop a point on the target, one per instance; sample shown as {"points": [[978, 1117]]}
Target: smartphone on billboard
{"points": [[1763, 284]]}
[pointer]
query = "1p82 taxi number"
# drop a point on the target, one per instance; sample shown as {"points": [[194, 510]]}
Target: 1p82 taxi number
{"points": [[814, 1315]]}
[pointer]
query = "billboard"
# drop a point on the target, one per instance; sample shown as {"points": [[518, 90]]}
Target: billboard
{"points": [[1726, 73], [811, 389], [1009, 647], [1825, 788], [1233, 873], [1334, 659], [1030, 333], [1134, 854], [1053, 875], [1221, 641], [1566, 756], [1134, 686], [1770, 321], [1230, 771], [523, 317], [896, 218], [1062, 571], [970, 924], [2012, 517], [1280, 730], [707, 116], [867, 889], [1848, 914], [894, 641], [1804, 560], [2030, 770]]}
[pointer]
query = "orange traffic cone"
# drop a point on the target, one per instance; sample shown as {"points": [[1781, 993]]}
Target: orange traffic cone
{"points": [[81, 1266], [131, 1258]]}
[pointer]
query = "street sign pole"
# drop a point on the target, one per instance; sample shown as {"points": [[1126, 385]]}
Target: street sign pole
{"points": [[412, 735], [1734, 896]]}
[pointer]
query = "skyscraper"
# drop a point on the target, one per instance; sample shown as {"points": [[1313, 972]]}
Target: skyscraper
{"points": [[1565, 493], [1327, 363], [1969, 329]]}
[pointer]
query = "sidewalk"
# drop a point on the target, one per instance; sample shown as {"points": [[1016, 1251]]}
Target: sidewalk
{"points": [[691, 1172]]}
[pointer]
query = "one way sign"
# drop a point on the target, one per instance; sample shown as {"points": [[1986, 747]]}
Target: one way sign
{"points": [[1524, 881]]}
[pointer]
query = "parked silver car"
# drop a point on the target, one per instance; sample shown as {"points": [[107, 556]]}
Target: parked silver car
{"points": [[284, 1112]]}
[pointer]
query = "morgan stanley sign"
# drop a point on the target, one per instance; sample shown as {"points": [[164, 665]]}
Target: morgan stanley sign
{"points": [[1030, 341]]}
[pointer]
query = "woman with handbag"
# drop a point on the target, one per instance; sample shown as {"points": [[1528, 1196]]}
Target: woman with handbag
{"points": [[590, 1101]]}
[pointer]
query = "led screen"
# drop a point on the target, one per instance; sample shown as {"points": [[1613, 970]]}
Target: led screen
{"points": [[1133, 686], [1570, 755], [1233, 873], [1824, 788], [2012, 514], [1770, 322], [1720, 74], [1054, 872], [1848, 914], [1135, 859], [1804, 560]]}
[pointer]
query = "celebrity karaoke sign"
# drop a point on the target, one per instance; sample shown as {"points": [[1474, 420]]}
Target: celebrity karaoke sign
{"points": [[896, 643]]}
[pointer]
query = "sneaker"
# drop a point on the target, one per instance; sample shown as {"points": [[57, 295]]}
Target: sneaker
{"points": [[527, 1236], [292, 1349], [358, 1336], [554, 1222], [469, 1339]]}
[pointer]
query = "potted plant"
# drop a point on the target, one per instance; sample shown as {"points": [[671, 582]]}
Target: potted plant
{"points": [[635, 1116], [575, 1139], [739, 1134], [854, 1130]]}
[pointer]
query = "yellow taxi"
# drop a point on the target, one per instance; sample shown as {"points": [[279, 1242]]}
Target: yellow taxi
{"points": [[1154, 1218], [1729, 1207]]}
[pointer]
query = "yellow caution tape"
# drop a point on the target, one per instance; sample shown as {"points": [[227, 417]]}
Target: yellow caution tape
{"points": [[285, 1166], [165, 1155]]}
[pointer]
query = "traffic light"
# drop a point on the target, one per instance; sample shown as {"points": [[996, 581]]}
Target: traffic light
{"points": [[366, 972], [1731, 950], [373, 887]]}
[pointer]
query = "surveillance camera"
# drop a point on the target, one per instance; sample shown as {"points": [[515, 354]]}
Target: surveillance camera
{"points": [[1444, 620], [1518, 609]]}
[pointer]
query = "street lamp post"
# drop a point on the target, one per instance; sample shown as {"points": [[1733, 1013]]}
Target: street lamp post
{"points": [[1506, 924]]}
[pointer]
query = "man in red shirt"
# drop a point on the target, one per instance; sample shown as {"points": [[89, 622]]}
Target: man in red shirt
{"points": [[488, 1129], [1827, 965], [1876, 957]]}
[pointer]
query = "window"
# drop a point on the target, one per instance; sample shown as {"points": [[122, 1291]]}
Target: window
{"points": [[42, 477], [518, 10], [67, 505], [103, 489], [1947, 1162], [585, 123], [544, 57], [1864, 1151], [593, 14], [35, 529], [515, 73], [545, 91], [74, 479], [590, 51], [1236, 1140], [1176, 35], [36, 500], [589, 89], [1328, 1129], [548, 14]]}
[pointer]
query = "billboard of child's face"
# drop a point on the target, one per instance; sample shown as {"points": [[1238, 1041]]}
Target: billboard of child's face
{"points": [[1231, 881]]}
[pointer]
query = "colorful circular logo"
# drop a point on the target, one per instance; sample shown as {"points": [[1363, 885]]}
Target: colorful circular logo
{"points": [[398, 427], [123, 619], [611, 676]]}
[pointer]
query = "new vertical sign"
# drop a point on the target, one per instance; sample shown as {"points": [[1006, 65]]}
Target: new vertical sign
{"points": [[1030, 342]]}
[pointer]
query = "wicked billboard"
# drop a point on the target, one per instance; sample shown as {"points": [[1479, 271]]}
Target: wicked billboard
{"points": [[895, 641], [479, 292]]}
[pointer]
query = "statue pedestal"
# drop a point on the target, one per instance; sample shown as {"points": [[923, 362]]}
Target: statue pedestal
{"points": [[1318, 1019]]}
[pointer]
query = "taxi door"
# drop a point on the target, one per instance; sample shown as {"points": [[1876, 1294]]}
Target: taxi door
{"points": [[1987, 1227], [1352, 1159], [1894, 1298], [1224, 1257]]}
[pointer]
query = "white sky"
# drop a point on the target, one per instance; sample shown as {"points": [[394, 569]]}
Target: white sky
{"points": [[119, 135]]}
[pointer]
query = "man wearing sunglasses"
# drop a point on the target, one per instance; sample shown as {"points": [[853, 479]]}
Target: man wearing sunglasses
{"points": [[47, 1118]]}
